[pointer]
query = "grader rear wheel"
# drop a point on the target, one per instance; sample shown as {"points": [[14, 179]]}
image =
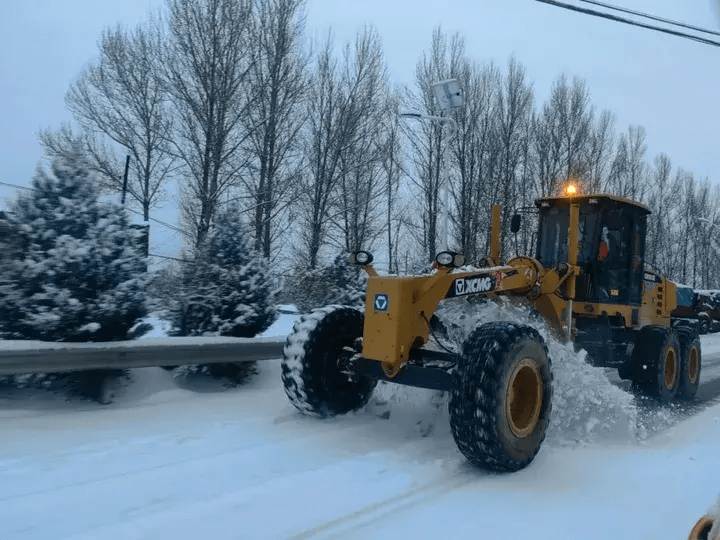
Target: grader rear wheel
{"points": [[657, 348], [690, 365], [501, 401]]}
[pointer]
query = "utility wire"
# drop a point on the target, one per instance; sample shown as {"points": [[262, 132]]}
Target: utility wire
{"points": [[171, 227], [630, 22], [15, 186], [167, 257], [161, 222], [651, 17]]}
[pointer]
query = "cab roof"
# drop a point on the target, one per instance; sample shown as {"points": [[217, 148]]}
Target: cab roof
{"points": [[584, 199]]}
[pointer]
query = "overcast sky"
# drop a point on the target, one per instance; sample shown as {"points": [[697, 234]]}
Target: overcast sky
{"points": [[667, 84]]}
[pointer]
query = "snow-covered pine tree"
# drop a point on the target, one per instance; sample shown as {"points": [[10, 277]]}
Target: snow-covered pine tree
{"points": [[346, 282], [337, 283], [77, 272], [228, 285]]}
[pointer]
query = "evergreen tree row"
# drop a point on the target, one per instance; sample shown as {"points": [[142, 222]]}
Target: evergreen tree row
{"points": [[73, 268]]}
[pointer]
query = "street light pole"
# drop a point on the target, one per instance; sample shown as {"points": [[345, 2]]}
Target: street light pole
{"points": [[449, 97]]}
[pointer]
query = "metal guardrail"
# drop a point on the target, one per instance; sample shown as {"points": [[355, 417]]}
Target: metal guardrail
{"points": [[21, 357]]}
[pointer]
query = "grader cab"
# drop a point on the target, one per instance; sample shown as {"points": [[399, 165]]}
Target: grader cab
{"points": [[588, 280]]}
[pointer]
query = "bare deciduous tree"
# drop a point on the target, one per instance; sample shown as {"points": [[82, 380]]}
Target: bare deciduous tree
{"points": [[476, 157], [339, 103], [546, 151], [514, 112], [279, 76], [429, 141], [99, 158], [207, 63], [628, 171], [659, 229], [391, 166], [602, 139], [121, 98], [361, 188]]}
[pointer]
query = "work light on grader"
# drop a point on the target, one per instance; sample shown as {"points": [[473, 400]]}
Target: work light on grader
{"points": [[587, 279]]}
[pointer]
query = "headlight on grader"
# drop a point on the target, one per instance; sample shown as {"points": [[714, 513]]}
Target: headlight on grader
{"points": [[450, 259], [361, 257]]}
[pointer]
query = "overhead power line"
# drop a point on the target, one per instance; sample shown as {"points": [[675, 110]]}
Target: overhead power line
{"points": [[15, 186], [630, 22], [652, 17], [171, 227], [167, 257]]}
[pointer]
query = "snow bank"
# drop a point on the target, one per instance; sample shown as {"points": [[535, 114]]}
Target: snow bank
{"points": [[160, 326], [284, 323], [587, 407], [288, 314]]}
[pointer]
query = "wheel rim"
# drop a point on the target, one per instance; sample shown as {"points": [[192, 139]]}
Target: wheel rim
{"points": [[670, 368], [693, 368], [524, 398]]}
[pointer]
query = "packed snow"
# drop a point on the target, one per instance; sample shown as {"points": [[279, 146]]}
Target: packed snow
{"points": [[166, 461]]}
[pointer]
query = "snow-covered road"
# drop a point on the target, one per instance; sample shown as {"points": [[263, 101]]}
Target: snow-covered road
{"points": [[166, 463]]}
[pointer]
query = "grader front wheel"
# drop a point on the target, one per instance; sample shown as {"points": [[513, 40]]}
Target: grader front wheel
{"points": [[313, 374], [501, 402]]}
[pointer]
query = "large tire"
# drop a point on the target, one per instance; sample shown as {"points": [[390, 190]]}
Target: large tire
{"points": [[502, 397], [312, 371], [690, 365], [657, 347]]}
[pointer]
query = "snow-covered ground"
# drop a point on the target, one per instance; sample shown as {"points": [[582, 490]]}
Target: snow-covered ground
{"points": [[167, 462]]}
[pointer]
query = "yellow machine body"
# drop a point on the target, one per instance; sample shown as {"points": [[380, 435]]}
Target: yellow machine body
{"points": [[398, 309]]}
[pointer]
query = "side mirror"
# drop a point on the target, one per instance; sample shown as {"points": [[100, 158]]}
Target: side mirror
{"points": [[515, 223]]}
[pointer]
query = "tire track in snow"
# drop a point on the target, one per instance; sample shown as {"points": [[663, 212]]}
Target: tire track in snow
{"points": [[327, 431], [262, 472], [380, 509]]}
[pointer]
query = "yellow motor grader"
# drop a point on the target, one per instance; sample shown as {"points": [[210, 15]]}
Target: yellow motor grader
{"points": [[588, 280]]}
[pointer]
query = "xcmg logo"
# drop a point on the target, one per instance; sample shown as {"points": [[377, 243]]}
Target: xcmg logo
{"points": [[474, 285]]}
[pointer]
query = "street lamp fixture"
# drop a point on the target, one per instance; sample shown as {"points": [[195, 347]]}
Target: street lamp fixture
{"points": [[708, 221], [448, 94]]}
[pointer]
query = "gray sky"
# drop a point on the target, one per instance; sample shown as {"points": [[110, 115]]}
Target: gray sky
{"points": [[667, 84]]}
